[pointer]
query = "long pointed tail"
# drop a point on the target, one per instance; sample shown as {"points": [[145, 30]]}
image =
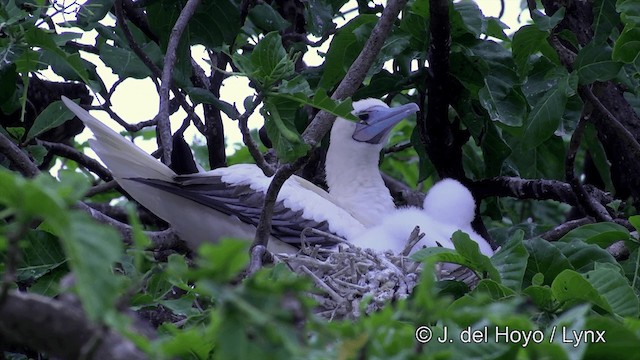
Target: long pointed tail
{"points": [[122, 157]]}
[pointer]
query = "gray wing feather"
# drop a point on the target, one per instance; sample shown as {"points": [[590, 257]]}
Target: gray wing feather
{"points": [[244, 203]]}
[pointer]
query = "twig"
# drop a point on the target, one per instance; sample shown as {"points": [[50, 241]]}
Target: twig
{"points": [[266, 168], [164, 126], [339, 299], [71, 153], [100, 188], [397, 148], [414, 238]]}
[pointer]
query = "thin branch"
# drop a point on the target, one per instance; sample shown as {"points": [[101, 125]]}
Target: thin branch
{"points": [[18, 158], [624, 134], [563, 229], [323, 120], [164, 125], [266, 168], [71, 153], [101, 188], [397, 148]]}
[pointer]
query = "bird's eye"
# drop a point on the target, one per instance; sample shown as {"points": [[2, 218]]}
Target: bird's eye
{"points": [[363, 118]]}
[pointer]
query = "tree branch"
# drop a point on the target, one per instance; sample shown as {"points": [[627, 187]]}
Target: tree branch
{"points": [[266, 168], [18, 158], [71, 153], [323, 120], [164, 125], [60, 330]]}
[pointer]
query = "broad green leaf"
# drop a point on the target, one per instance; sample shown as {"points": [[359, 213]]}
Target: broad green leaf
{"points": [[345, 47], [495, 290], [627, 46], [629, 11], [541, 296], [594, 63], [545, 161], [93, 11], [601, 234], [268, 63], [572, 288], [614, 287], [544, 259], [40, 38], [470, 250], [545, 116], [280, 114], [92, 250], [41, 255], [466, 18], [620, 342], [53, 116], [267, 19], [125, 63], [527, 41], [200, 95], [511, 261], [502, 101], [583, 256], [214, 23], [546, 23], [605, 19]]}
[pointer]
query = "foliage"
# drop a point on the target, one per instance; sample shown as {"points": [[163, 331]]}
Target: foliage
{"points": [[515, 98]]}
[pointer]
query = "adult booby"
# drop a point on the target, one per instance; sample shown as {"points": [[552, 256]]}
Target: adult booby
{"points": [[448, 207], [227, 201]]}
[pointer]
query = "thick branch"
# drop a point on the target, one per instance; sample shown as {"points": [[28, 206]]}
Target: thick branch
{"points": [[504, 186], [18, 158], [60, 330]]}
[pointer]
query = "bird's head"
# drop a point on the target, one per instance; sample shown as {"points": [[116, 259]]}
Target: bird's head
{"points": [[376, 119]]}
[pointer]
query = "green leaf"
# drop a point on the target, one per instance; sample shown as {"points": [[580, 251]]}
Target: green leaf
{"points": [[629, 11], [620, 342], [224, 260], [40, 38], [280, 115], [503, 102], [92, 250], [200, 95], [584, 256], [605, 19], [594, 63], [93, 11], [53, 116], [602, 234], [627, 46], [470, 251], [511, 261], [267, 19], [545, 116], [604, 287], [268, 62], [41, 255], [527, 41], [213, 24], [467, 18], [125, 63], [547, 23], [345, 47], [544, 259], [541, 296]]}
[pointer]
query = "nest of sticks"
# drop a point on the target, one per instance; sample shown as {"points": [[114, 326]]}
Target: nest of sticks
{"points": [[355, 281]]}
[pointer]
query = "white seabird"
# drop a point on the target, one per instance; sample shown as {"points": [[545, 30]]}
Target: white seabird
{"points": [[227, 201], [448, 207]]}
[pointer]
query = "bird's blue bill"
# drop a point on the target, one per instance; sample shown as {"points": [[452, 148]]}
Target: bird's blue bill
{"points": [[376, 123]]}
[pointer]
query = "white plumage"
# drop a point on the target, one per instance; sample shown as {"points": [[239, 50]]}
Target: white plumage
{"points": [[207, 206], [448, 207]]}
